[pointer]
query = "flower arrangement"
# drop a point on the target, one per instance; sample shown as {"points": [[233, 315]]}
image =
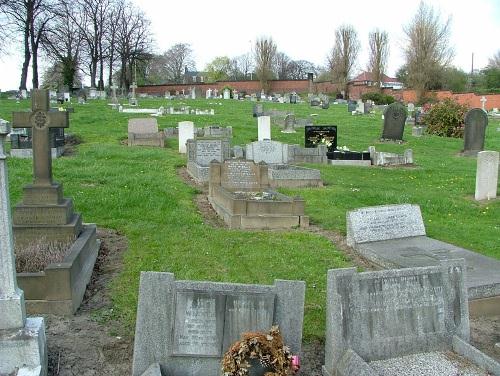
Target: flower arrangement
{"points": [[267, 349]]}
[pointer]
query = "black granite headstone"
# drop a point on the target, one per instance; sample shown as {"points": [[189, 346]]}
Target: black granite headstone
{"points": [[394, 122], [476, 121], [351, 106], [317, 135]]}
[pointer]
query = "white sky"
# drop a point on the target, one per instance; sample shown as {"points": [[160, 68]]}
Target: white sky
{"points": [[302, 30]]}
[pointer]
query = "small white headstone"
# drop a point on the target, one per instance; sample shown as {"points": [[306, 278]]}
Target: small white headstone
{"points": [[186, 132], [208, 93], [483, 101], [264, 127], [67, 97], [487, 175], [227, 94]]}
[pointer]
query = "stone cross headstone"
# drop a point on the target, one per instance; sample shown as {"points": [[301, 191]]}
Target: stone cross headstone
{"points": [[487, 175], [264, 127], [22, 341], [186, 132], [114, 98], [483, 101], [476, 121], [289, 124], [133, 87], [40, 120], [394, 122]]}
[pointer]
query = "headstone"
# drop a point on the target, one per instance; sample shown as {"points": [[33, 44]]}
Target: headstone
{"points": [[270, 152], [193, 93], [388, 314], [114, 99], [67, 97], [315, 102], [227, 94], [186, 132], [23, 349], [394, 122], [483, 101], [201, 152], [21, 143], [187, 326], [258, 110], [411, 108], [360, 108], [351, 106], [144, 132], [208, 93], [289, 124], [321, 135], [293, 98], [264, 127], [133, 98], [92, 93], [487, 175], [476, 121], [34, 216]]}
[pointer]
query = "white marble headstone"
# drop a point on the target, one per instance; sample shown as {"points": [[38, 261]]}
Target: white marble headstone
{"points": [[186, 132], [264, 127], [487, 175]]}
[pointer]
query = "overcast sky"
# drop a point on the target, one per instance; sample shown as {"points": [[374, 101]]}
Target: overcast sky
{"points": [[302, 29]]}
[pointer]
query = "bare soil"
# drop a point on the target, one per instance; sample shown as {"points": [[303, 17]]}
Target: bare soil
{"points": [[89, 344]]}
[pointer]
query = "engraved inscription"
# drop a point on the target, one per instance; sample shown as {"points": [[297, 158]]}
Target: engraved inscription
{"points": [[39, 119], [207, 151], [197, 329], [240, 175]]}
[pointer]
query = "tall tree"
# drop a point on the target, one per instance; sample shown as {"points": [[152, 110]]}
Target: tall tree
{"points": [[115, 13], [427, 50], [282, 66], [299, 69], [178, 57], [218, 69], [29, 18], [242, 67], [379, 53], [264, 54], [494, 61], [343, 55]]}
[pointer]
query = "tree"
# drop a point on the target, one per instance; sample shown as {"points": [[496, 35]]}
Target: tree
{"points": [[282, 66], [379, 53], [454, 79], [29, 18], [491, 78], [427, 51], [343, 56], [300, 68], [62, 42], [155, 71], [218, 69], [55, 77], [177, 58], [242, 67], [494, 61], [111, 36], [264, 54]]}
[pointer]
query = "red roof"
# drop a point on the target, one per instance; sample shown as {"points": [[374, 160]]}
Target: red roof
{"points": [[367, 76]]}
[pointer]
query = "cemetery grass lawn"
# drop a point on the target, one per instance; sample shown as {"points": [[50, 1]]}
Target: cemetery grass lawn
{"points": [[138, 192]]}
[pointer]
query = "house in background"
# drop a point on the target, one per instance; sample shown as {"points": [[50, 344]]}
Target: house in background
{"points": [[365, 79], [192, 77]]}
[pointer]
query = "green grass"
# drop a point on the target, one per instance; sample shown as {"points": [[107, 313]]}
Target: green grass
{"points": [[138, 192]]}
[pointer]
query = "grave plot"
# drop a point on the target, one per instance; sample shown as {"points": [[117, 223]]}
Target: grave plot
{"points": [[239, 192], [393, 236], [375, 320], [200, 152], [45, 216], [185, 327], [144, 132], [21, 143]]}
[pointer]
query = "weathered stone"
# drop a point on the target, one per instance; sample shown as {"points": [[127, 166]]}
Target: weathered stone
{"points": [[487, 175], [186, 132], [289, 125], [289, 176], [187, 326], [201, 152], [394, 122], [476, 121], [382, 158], [264, 128], [298, 154], [268, 151], [144, 132]]}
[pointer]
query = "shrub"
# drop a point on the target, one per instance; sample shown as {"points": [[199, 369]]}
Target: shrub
{"points": [[378, 98], [446, 119]]}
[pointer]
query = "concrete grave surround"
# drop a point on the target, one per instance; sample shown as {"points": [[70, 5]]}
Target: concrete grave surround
{"points": [[394, 236], [289, 176], [45, 213], [23, 347], [264, 128], [268, 151], [487, 175], [144, 132], [186, 132], [186, 326], [200, 152], [394, 122], [298, 154], [476, 121], [239, 191], [387, 314], [382, 158]]}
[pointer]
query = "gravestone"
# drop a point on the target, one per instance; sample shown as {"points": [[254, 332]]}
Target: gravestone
{"points": [[21, 143], [23, 348], [227, 94], [44, 211], [293, 98], [289, 124], [208, 93], [394, 122], [483, 101], [360, 108], [133, 100], [187, 326], [394, 236], [200, 152], [487, 175], [270, 152], [144, 132], [351, 106], [382, 315], [258, 110], [321, 135], [315, 102], [216, 131], [476, 121], [186, 132], [264, 128]]}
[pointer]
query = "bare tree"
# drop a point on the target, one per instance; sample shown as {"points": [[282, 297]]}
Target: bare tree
{"points": [[115, 13], [62, 42], [343, 55], [265, 53], [178, 57], [241, 67], [282, 66], [427, 50], [299, 69], [494, 62], [30, 18], [379, 53]]}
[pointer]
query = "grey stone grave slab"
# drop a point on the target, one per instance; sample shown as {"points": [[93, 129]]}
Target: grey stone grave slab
{"points": [[394, 236], [289, 125], [394, 122], [487, 175], [289, 176], [476, 121], [383, 315], [200, 152], [268, 151], [144, 132], [186, 326]]}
